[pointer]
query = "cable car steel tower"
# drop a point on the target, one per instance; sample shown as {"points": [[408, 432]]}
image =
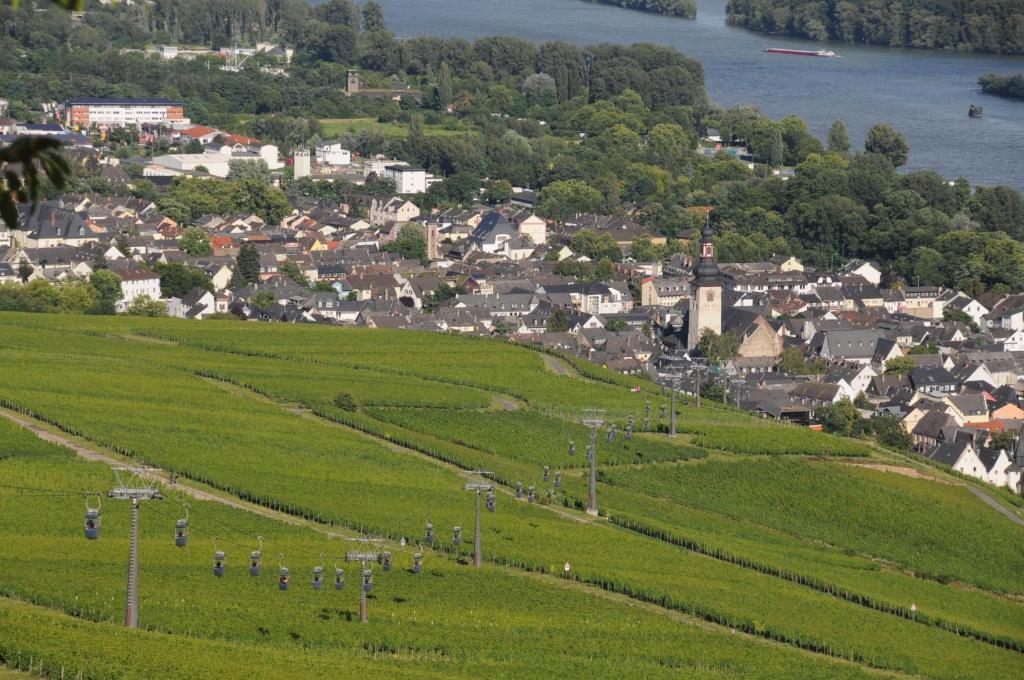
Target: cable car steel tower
{"points": [[479, 488], [593, 418], [133, 485], [365, 575]]}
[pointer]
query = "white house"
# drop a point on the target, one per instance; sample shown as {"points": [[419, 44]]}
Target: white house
{"points": [[868, 270], [961, 456], [954, 300], [197, 304], [407, 179], [535, 228], [136, 283], [997, 466], [333, 153]]}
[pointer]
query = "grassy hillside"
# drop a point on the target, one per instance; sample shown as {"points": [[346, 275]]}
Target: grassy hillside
{"points": [[710, 558]]}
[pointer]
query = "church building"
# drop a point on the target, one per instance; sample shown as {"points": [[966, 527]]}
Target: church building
{"points": [[705, 293]]}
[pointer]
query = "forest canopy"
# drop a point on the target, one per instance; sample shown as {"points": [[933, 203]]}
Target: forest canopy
{"points": [[976, 26]]}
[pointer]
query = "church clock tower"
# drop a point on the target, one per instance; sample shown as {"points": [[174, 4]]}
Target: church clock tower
{"points": [[705, 292]]}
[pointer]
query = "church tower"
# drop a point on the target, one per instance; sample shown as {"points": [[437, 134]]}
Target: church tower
{"points": [[705, 292]]}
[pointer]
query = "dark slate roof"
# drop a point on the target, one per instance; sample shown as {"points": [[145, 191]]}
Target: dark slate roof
{"points": [[924, 377], [491, 226], [932, 423], [948, 453], [989, 458]]}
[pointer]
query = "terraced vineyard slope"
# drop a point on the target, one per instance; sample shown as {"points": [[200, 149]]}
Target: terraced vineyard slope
{"points": [[738, 549]]}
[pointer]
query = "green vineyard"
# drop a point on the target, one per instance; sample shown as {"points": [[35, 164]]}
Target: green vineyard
{"points": [[737, 549]]}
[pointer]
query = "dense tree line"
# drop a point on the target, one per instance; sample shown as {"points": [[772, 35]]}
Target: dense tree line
{"points": [[1004, 86], [673, 8], [975, 25]]}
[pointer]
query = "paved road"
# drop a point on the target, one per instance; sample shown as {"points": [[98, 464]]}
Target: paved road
{"points": [[988, 500], [162, 475], [555, 364]]}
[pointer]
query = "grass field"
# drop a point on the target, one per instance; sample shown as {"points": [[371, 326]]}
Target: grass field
{"points": [[721, 565], [337, 126]]}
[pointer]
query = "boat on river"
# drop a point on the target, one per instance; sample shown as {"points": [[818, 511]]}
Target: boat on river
{"points": [[801, 53]]}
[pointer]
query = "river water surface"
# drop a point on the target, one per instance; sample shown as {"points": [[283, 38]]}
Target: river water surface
{"points": [[923, 93]]}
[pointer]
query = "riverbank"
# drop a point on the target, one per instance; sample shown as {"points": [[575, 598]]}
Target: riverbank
{"points": [[1011, 87], [682, 9], [923, 93], [995, 27]]}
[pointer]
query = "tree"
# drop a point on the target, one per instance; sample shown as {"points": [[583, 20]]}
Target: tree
{"points": [[838, 139], [373, 17], [30, 154], [345, 401], [410, 244], [195, 242], [263, 300], [1003, 440], [108, 291], [255, 170], [292, 271], [562, 198], [177, 279], [595, 246], [889, 432], [960, 316], [793, 362], [884, 140], [444, 87], [247, 267], [644, 250], [146, 306], [558, 321], [718, 349], [25, 270], [839, 418], [900, 365], [862, 402], [497, 191]]}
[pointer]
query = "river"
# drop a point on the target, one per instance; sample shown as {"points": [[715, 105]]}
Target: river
{"points": [[923, 93]]}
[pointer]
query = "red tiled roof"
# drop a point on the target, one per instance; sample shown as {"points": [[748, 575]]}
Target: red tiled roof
{"points": [[197, 131], [222, 241], [240, 139]]}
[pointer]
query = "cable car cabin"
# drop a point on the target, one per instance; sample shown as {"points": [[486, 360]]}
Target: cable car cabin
{"points": [[547, 471], [558, 479], [219, 563], [181, 533], [318, 578], [458, 536], [255, 563], [92, 523], [491, 502], [531, 493], [572, 447], [367, 581], [339, 579], [385, 561], [283, 579], [519, 489], [430, 534], [417, 566]]}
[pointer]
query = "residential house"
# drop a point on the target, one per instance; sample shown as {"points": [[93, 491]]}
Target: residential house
{"points": [[997, 466], [663, 292], [932, 380], [135, 283], [196, 304], [392, 210], [960, 455]]}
